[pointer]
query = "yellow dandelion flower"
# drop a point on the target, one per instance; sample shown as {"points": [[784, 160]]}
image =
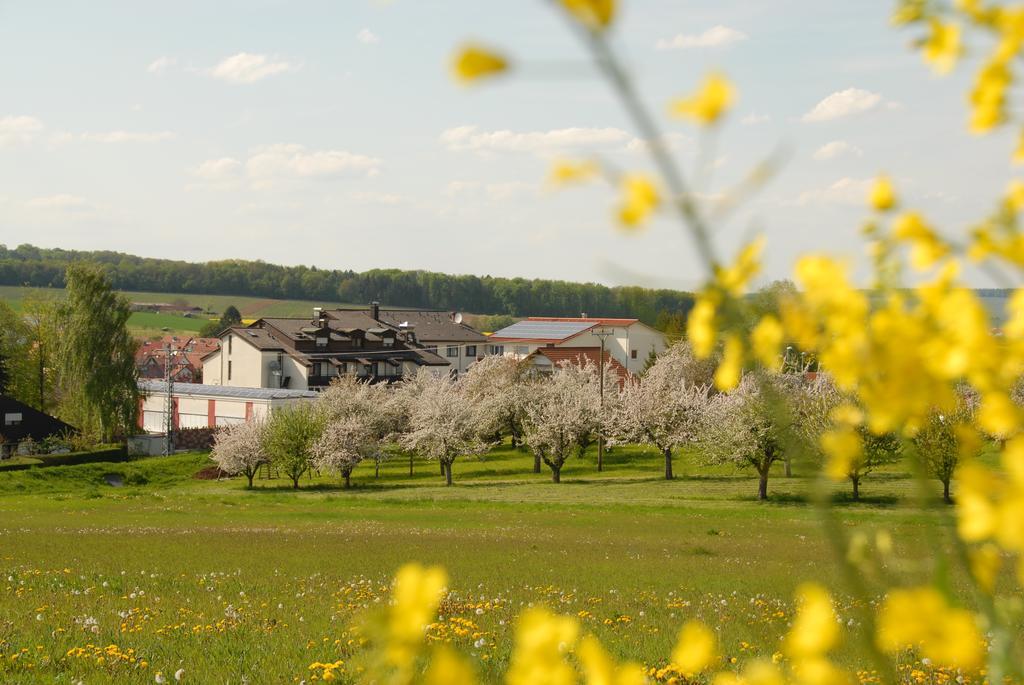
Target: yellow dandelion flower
{"points": [[707, 105], [474, 62]]}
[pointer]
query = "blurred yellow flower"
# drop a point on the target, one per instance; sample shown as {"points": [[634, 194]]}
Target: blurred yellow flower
{"points": [[926, 247], [921, 617], [735, 277], [565, 171], [695, 650], [542, 641], [766, 339], [474, 62], [882, 196], [942, 48], [702, 325], [447, 667], [988, 97], [842, 447], [594, 14], [600, 669], [815, 630], [712, 100], [639, 199], [730, 369]]}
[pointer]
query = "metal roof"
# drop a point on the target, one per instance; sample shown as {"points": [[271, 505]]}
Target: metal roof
{"points": [[157, 387], [542, 330]]}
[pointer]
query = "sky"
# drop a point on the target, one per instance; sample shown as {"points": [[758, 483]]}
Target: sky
{"points": [[330, 133]]}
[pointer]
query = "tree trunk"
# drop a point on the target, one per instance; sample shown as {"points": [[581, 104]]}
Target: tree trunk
{"points": [[945, 492], [668, 463], [376, 469], [295, 481], [447, 468], [789, 468], [556, 474], [348, 478], [442, 468], [762, 485], [856, 489], [410, 466], [249, 475], [536, 463]]}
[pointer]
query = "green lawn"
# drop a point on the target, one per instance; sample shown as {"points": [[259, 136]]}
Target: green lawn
{"points": [[224, 582]]}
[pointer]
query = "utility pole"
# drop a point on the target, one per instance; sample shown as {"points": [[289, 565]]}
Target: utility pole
{"points": [[169, 404], [42, 378], [601, 333]]}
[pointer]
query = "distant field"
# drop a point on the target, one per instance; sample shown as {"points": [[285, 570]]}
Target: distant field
{"points": [[146, 324]]}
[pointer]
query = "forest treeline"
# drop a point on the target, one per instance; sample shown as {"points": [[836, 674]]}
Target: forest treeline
{"points": [[27, 265]]}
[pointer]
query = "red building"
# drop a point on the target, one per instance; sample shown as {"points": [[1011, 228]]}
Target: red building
{"points": [[186, 356]]}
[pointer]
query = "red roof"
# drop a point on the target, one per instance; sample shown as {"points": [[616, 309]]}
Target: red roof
{"points": [[193, 349], [588, 319], [580, 355]]}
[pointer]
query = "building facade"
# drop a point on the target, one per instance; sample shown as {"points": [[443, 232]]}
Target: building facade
{"points": [[198, 405], [628, 341]]}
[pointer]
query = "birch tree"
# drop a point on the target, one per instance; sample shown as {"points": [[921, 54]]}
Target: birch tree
{"points": [[238, 449], [666, 407], [443, 421]]}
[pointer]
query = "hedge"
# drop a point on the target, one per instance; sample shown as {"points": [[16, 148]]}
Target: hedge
{"points": [[103, 453]]}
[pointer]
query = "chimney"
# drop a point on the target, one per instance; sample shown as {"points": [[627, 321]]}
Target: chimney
{"points": [[375, 310], [318, 313], [583, 315]]}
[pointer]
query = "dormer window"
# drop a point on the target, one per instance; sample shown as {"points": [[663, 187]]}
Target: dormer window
{"points": [[321, 341], [388, 340]]}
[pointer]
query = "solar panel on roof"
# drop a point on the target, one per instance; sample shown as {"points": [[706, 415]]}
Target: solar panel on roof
{"points": [[543, 330]]}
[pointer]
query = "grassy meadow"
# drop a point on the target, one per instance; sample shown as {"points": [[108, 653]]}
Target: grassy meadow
{"points": [[105, 584]]}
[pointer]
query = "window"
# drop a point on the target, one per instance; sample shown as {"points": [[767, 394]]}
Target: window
{"points": [[632, 354], [497, 349], [321, 341], [453, 351], [343, 368], [230, 339], [229, 370], [522, 350], [470, 350], [388, 341], [12, 419]]}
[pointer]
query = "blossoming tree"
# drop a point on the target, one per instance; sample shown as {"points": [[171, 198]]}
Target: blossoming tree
{"points": [[499, 385], [666, 406], [563, 412], [345, 442], [238, 448], [443, 421]]}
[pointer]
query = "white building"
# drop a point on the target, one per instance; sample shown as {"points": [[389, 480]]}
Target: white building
{"points": [[628, 341], [196, 405]]}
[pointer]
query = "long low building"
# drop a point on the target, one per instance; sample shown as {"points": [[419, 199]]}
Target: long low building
{"points": [[195, 405]]}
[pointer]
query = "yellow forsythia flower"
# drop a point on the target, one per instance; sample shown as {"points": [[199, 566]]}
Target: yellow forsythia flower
{"points": [[735, 277], [988, 97], [1018, 153], [815, 630], [926, 247], [639, 199], [695, 650], [985, 564], [474, 62], [921, 617], [998, 414], [942, 48], [766, 339], [882, 196], [564, 172], [1015, 195], [706, 106], [594, 14], [730, 369]]}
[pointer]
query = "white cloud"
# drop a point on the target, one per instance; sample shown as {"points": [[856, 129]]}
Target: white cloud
{"points": [[836, 148], [673, 141], [539, 142], [755, 118], [367, 37], [492, 191], [371, 198], [19, 129], [161, 64], [127, 137], [249, 68], [843, 103], [59, 202], [283, 160], [845, 191], [218, 169], [714, 37]]}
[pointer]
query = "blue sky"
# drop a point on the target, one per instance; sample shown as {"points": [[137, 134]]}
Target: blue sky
{"points": [[329, 133]]}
